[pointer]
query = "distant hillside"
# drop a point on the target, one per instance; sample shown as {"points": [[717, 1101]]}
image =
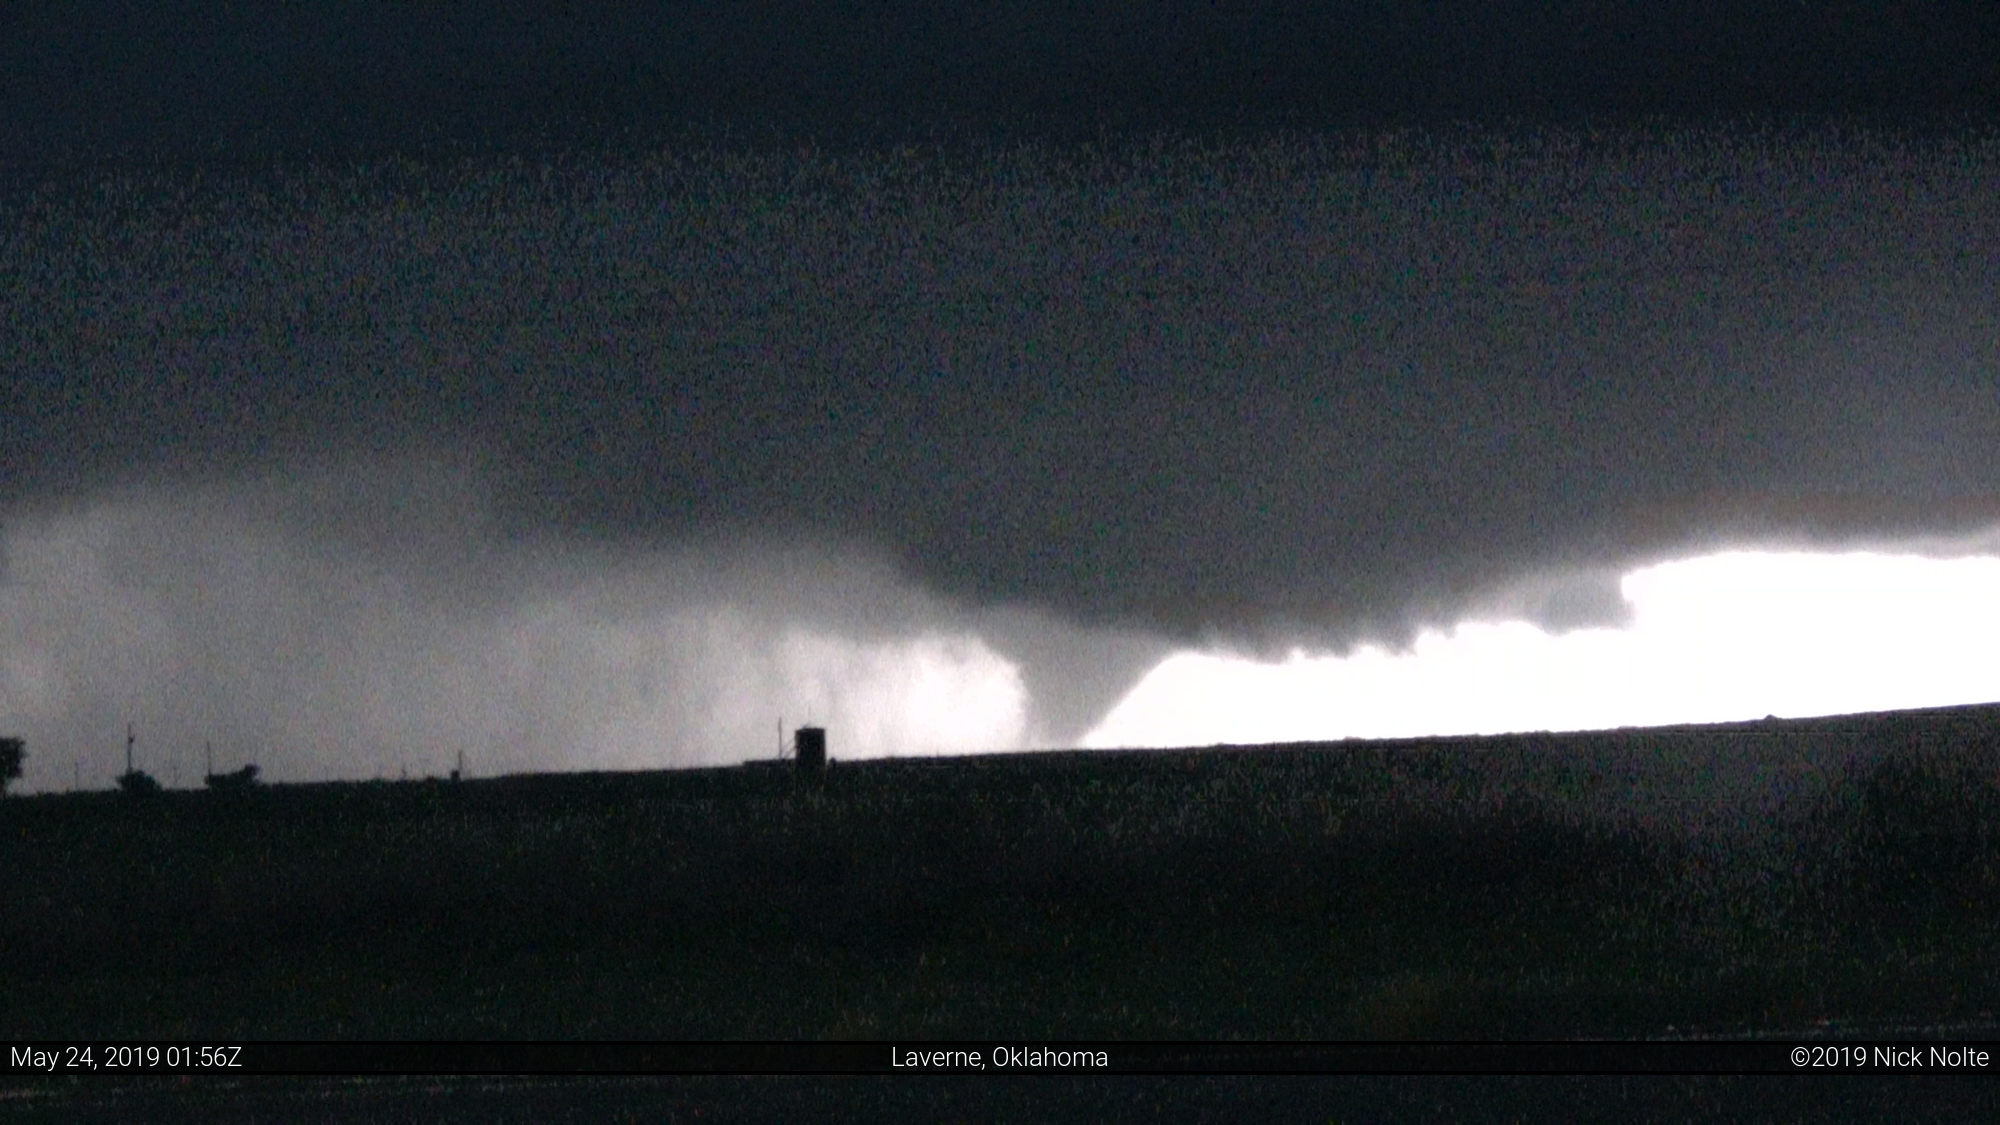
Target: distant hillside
{"points": [[1751, 876]]}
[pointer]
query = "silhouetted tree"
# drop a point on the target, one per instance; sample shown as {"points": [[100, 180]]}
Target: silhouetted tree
{"points": [[13, 752], [138, 783]]}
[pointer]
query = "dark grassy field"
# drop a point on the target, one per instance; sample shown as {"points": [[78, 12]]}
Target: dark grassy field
{"points": [[1714, 880]]}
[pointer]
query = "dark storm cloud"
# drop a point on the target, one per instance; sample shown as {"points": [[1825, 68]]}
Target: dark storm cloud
{"points": [[969, 342], [213, 81], [1339, 383]]}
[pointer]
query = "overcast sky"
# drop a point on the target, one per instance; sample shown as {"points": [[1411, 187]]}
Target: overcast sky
{"points": [[382, 381]]}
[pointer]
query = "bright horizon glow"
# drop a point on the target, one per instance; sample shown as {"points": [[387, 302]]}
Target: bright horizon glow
{"points": [[1730, 636]]}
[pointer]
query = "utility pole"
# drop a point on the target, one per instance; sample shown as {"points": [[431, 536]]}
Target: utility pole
{"points": [[129, 739]]}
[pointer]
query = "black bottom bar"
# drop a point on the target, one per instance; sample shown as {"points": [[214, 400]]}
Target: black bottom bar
{"points": [[1761, 1057]]}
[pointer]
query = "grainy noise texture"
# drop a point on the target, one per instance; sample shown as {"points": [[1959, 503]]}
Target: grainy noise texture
{"points": [[1029, 349]]}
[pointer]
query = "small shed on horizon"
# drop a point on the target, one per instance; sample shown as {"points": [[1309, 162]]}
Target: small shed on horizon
{"points": [[809, 749]]}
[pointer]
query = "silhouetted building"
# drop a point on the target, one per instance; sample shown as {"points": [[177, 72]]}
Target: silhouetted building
{"points": [[13, 752], [809, 749], [236, 779]]}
